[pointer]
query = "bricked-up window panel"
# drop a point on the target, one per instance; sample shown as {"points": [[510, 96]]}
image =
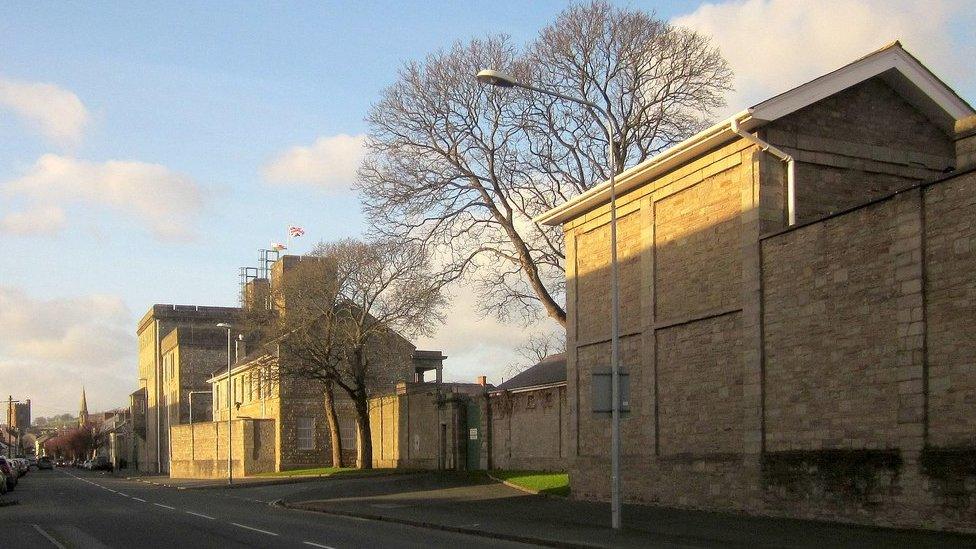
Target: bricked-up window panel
{"points": [[697, 234], [700, 386], [593, 278], [305, 433], [530, 402]]}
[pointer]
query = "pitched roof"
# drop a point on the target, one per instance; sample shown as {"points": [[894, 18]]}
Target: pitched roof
{"points": [[900, 70], [550, 371]]}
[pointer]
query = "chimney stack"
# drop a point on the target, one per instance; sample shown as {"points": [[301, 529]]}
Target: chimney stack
{"points": [[482, 380], [966, 143]]}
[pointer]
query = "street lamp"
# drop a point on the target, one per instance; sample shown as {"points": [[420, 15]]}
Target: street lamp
{"points": [[502, 80], [230, 448]]}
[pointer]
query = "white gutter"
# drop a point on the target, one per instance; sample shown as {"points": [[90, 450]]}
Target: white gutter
{"points": [[632, 177], [790, 168]]}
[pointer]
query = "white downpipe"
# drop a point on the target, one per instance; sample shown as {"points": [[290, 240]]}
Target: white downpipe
{"points": [[790, 168]]}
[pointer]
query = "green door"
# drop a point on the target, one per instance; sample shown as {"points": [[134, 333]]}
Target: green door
{"points": [[473, 436]]}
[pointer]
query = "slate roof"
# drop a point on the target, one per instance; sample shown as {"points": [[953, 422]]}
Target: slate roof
{"points": [[550, 371]]}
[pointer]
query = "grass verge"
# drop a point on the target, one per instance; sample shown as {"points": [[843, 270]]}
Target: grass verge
{"points": [[555, 484]]}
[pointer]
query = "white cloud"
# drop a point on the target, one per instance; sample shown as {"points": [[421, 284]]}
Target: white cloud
{"points": [[49, 348], [40, 220], [168, 203], [774, 45], [55, 112], [329, 163]]}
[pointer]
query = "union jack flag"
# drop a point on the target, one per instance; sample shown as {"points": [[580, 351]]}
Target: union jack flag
{"points": [[295, 231]]}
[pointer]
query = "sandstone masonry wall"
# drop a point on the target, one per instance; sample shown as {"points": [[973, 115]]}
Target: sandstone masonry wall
{"points": [[528, 430], [825, 371]]}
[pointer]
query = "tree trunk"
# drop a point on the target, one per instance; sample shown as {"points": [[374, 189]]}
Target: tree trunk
{"points": [[365, 453], [333, 421]]}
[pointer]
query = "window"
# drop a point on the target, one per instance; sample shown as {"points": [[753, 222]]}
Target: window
{"points": [[306, 433], [347, 434]]}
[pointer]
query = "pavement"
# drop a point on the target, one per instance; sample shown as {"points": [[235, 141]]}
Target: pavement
{"points": [[486, 508], [70, 508]]}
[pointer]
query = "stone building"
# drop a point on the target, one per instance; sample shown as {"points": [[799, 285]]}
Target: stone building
{"points": [[799, 348], [19, 415], [192, 348], [289, 411], [528, 419]]}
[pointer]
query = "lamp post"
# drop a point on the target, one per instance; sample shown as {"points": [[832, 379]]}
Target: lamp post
{"points": [[230, 467], [499, 79]]}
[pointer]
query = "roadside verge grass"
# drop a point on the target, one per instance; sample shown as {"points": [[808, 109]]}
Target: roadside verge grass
{"points": [[554, 484]]}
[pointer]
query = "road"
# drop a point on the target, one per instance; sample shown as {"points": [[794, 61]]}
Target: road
{"points": [[72, 508]]}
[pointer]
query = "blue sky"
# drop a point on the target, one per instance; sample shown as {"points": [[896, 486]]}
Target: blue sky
{"points": [[211, 93]]}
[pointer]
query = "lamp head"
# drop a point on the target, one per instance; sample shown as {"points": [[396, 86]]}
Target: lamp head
{"points": [[496, 78], [223, 325]]}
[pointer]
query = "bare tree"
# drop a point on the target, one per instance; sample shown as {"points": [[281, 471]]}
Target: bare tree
{"points": [[537, 348], [461, 168], [344, 314], [387, 294]]}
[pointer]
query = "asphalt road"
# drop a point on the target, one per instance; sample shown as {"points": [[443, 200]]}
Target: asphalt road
{"points": [[72, 508]]}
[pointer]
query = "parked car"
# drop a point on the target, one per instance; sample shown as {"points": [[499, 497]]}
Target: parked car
{"points": [[44, 462], [3, 483], [8, 471], [100, 463], [87, 464], [32, 461], [19, 465]]}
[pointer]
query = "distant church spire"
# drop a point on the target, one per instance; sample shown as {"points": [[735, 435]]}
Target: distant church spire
{"points": [[83, 414]]}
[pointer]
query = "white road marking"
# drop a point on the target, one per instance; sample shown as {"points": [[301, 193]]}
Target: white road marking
{"points": [[201, 515], [49, 537], [123, 495], [253, 528], [164, 506], [138, 499], [313, 544]]}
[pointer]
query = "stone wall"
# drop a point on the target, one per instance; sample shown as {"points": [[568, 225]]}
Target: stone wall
{"points": [[861, 143], [200, 449], [868, 358], [528, 430], [417, 428], [821, 371]]}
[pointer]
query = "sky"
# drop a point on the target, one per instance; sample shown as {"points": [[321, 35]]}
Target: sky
{"points": [[149, 150]]}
